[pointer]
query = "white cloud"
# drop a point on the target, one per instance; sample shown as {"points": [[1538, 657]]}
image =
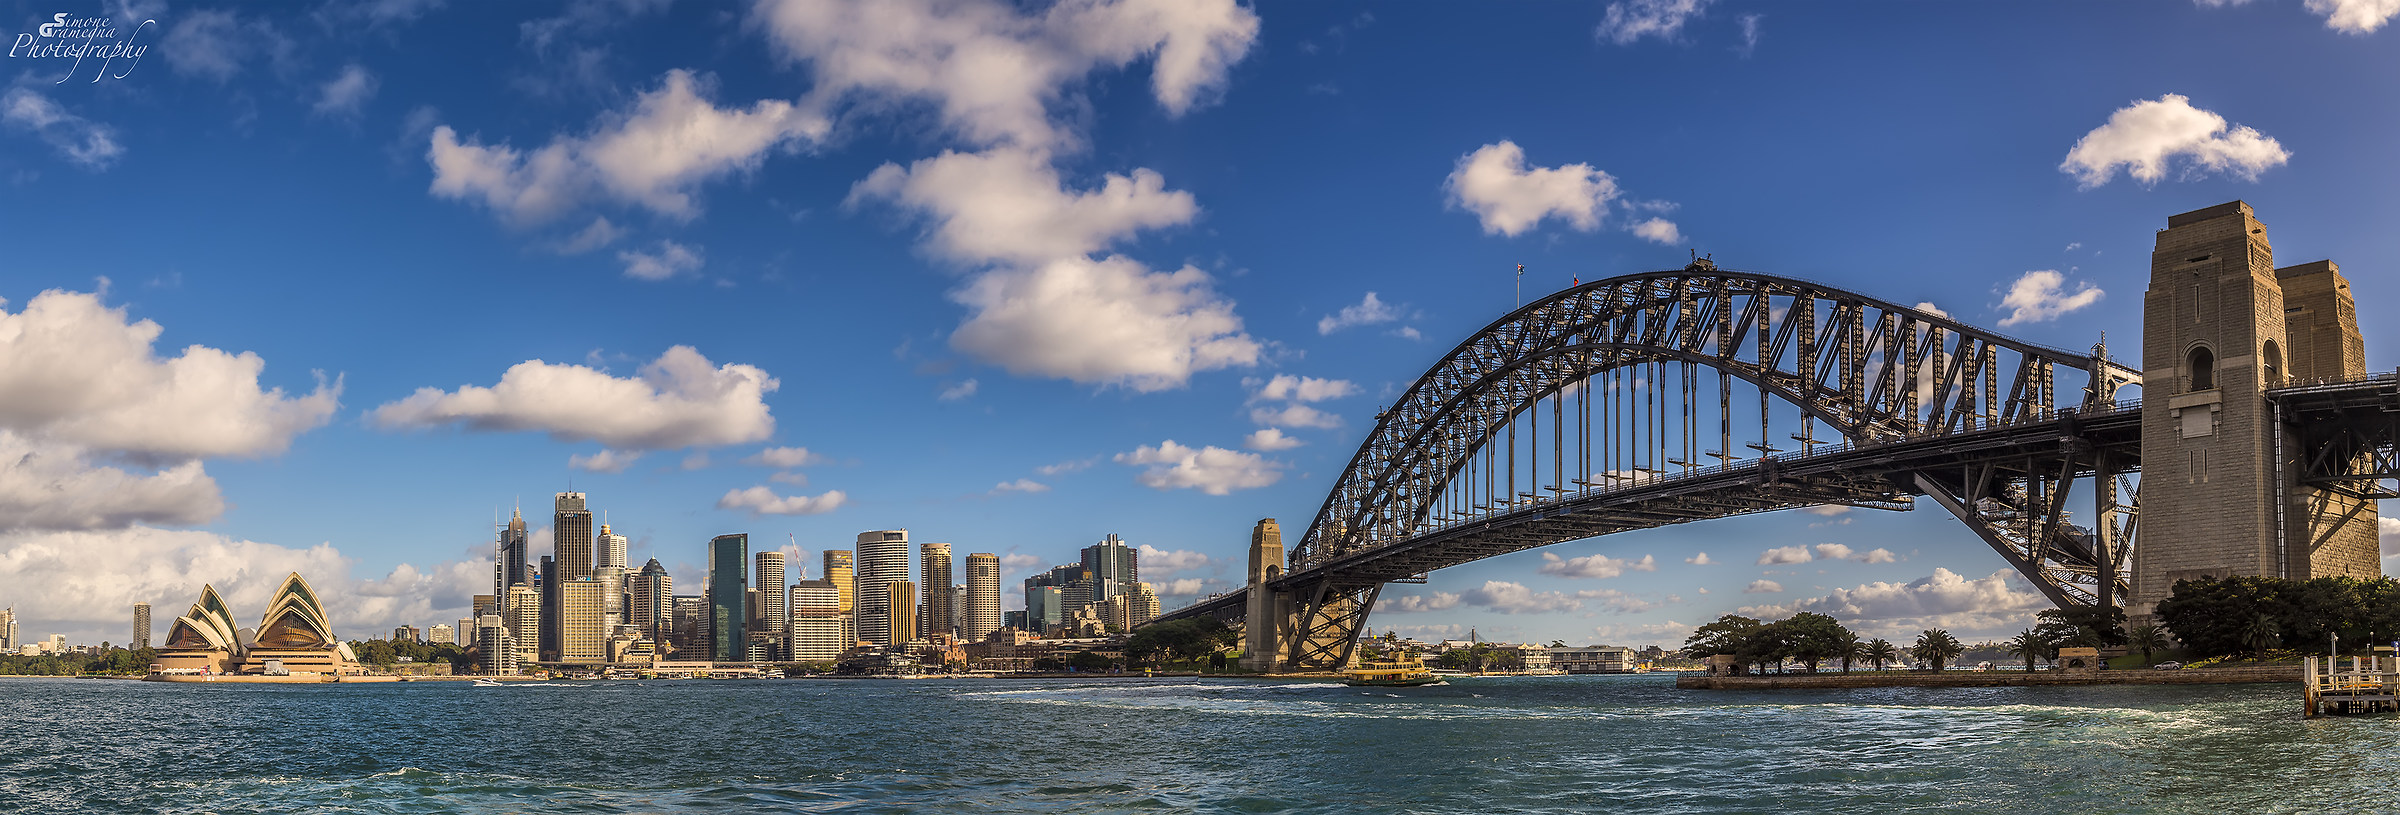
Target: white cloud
{"points": [[785, 458], [1213, 470], [2145, 136], [1024, 485], [1186, 587], [1784, 554], [1301, 389], [1108, 321], [1294, 415], [605, 461], [2355, 16], [1987, 607], [600, 233], [1749, 24], [959, 391], [990, 71], [1618, 601], [1514, 598], [1658, 230], [1831, 551], [1629, 20], [212, 44], [695, 461], [1018, 561], [794, 479], [83, 141], [1164, 562], [81, 582], [1494, 183], [1763, 587], [75, 371], [653, 156], [1009, 205], [1369, 311], [1828, 510], [2040, 296], [1268, 440], [679, 400], [49, 486], [668, 261], [763, 501], [1878, 555], [1929, 308], [1595, 566], [1412, 603], [347, 92], [1064, 467], [1699, 559]]}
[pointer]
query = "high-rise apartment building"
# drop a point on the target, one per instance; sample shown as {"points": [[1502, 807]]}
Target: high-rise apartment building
{"points": [[1141, 605], [571, 533], [941, 609], [465, 632], [773, 597], [509, 565], [819, 631], [524, 621], [141, 626], [901, 597], [650, 601], [583, 637], [728, 590], [882, 561], [443, 634], [8, 629], [843, 572]]}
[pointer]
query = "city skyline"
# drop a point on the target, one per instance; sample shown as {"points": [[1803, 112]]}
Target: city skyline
{"points": [[1156, 288]]}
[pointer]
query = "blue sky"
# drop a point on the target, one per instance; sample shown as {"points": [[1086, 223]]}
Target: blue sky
{"points": [[1024, 276]]}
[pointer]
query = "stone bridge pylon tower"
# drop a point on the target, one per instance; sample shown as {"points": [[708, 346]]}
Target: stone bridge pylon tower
{"points": [[2220, 491]]}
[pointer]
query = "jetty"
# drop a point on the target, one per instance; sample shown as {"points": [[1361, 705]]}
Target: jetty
{"points": [[2369, 685]]}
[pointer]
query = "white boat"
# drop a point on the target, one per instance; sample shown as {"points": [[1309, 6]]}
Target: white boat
{"points": [[486, 683]]}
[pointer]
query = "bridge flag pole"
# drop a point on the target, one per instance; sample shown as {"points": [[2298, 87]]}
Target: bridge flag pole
{"points": [[1520, 285]]}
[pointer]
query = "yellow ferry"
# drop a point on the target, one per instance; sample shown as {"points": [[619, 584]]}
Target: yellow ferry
{"points": [[1403, 672]]}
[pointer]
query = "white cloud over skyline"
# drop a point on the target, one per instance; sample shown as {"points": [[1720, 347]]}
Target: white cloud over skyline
{"points": [[680, 399], [2146, 137]]}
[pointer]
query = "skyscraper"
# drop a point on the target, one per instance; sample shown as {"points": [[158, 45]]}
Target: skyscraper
{"points": [[882, 561], [8, 629], [508, 565], [547, 581], [571, 534], [583, 637], [499, 652], [609, 568], [773, 597], [940, 604], [141, 626], [688, 626], [981, 616], [442, 634], [1113, 567], [843, 573], [728, 587], [819, 632], [650, 601], [524, 622], [1043, 609], [901, 598]]}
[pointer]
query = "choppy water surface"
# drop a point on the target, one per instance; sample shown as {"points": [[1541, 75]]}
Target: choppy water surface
{"points": [[1557, 744]]}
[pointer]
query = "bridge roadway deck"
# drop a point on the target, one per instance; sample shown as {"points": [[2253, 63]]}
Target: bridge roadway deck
{"points": [[1872, 474]]}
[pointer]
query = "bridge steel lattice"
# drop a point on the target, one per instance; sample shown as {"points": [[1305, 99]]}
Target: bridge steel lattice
{"points": [[1628, 403]]}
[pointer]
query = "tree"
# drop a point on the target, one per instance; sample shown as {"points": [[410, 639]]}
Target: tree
{"points": [[1721, 637], [1852, 649], [1881, 651], [2262, 635], [1810, 638], [2030, 646], [2148, 639], [1936, 646]]}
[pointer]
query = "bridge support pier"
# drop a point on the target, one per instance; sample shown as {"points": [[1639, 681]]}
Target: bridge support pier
{"points": [[1268, 617]]}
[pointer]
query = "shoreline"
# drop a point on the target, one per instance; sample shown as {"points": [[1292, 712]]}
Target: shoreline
{"points": [[1992, 679]]}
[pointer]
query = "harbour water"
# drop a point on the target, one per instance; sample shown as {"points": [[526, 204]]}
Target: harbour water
{"points": [[1511, 745]]}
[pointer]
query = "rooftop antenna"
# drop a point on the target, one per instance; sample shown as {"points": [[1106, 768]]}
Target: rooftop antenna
{"points": [[1520, 285]]}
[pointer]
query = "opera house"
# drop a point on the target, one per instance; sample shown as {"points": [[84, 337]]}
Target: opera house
{"points": [[294, 638]]}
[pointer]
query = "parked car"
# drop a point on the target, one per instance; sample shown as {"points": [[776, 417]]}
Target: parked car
{"points": [[2170, 665]]}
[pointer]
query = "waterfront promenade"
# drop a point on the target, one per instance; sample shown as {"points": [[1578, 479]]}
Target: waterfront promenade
{"points": [[1991, 679]]}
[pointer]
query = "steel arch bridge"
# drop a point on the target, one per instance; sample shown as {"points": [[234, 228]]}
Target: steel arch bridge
{"points": [[1674, 396]]}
